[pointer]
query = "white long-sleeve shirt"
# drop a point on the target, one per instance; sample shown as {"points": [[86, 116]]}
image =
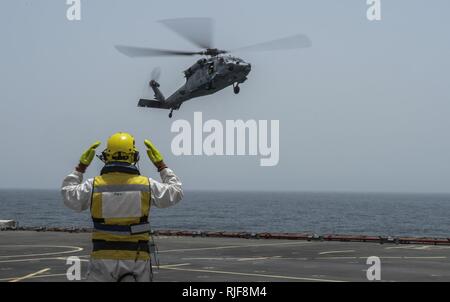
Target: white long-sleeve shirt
{"points": [[77, 194]]}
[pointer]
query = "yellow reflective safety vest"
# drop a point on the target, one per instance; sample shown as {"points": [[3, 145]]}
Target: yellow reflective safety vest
{"points": [[120, 207]]}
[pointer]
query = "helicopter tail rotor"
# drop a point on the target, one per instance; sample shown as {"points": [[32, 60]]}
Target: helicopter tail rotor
{"points": [[158, 94], [156, 74], [154, 77], [158, 102]]}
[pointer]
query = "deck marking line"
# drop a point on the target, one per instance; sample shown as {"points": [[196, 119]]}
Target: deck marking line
{"points": [[232, 246], [173, 265], [259, 258], [334, 258], [39, 259], [74, 249], [30, 275], [335, 252], [252, 274], [39, 276]]}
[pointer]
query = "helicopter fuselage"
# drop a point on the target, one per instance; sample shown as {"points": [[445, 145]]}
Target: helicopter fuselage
{"points": [[208, 76], [205, 77]]}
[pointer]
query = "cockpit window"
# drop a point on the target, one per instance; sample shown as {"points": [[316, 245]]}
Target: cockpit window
{"points": [[211, 68]]}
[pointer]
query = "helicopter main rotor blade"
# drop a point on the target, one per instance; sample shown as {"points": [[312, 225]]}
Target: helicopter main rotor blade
{"points": [[134, 52], [291, 42], [198, 31]]}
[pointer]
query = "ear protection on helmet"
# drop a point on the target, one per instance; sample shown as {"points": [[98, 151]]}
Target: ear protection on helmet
{"points": [[136, 155], [103, 157]]}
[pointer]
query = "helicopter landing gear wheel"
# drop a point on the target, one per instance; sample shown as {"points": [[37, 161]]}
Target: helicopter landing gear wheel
{"points": [[171, 113], [236, 89]]}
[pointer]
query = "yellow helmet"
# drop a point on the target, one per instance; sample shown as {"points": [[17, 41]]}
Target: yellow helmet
{"points": [[121, 148]]}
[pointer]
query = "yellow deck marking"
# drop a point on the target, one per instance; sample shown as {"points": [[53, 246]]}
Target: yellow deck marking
{"points": [[30, 275]]}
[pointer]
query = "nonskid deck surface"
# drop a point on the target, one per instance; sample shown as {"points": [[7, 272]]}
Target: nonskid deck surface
{"points": [[42, 256]]}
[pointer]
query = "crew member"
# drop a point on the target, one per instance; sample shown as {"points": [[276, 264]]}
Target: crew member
{"points": [[119, 200]]}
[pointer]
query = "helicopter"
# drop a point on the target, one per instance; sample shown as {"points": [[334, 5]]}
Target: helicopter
{"points": [[210, 74]]}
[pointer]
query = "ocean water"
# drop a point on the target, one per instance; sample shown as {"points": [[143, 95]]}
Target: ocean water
{"points": [[321, 213]]}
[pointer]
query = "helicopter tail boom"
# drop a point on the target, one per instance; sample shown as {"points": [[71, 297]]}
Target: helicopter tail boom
{"points": [[160, 100], [153, 104]]}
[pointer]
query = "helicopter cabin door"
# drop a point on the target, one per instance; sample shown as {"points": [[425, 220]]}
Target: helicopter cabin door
{"points": [[201, 79]]}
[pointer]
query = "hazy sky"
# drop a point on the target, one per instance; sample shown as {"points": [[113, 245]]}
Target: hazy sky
{"points": [[365, 109]]}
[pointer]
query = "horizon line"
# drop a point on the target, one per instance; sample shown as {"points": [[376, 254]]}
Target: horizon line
{"points": [[267, 191]]}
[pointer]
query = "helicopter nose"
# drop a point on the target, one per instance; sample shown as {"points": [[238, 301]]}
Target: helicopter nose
{"points": [[245, 67]]}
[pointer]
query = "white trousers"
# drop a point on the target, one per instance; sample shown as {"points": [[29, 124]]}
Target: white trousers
{"points": [[106, 270]]}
